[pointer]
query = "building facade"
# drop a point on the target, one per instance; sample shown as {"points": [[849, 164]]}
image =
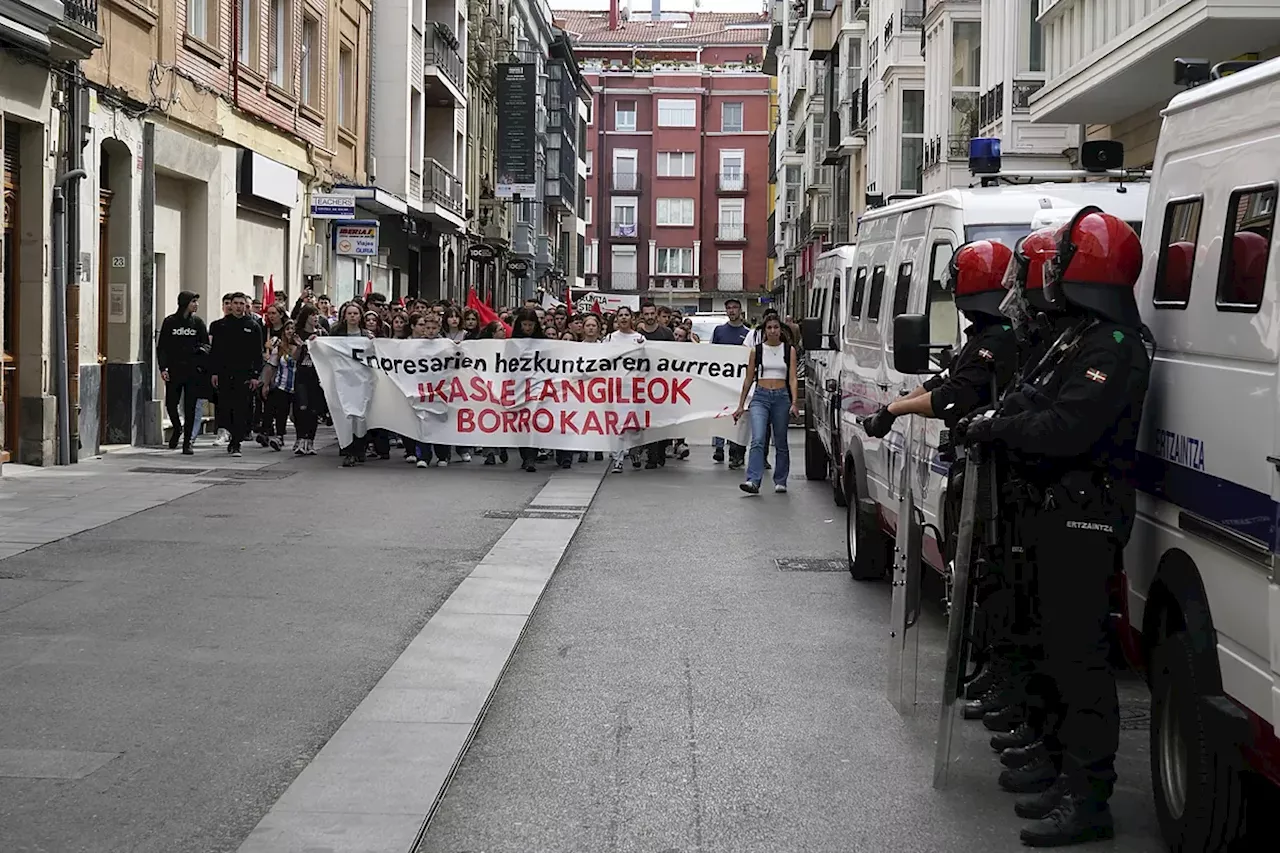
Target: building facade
{"points": [[677, 153]]}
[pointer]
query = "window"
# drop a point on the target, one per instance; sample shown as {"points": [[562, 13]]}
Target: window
{"points": [[311, 62], [624, 115], [675, 261], [675, 164], [966, 54], [198, 13], [1035, 36], [1246, 243], [944, 320], [732, 170], [248, 33], [1178, 253], [877, 293], [346, 87], [673, 112], [587, 215], [832, 316], [622, 268], [912, 163], [859, 288], [902, 290], [279, 63], [729, 270], [732, 219], [731, 117], [675, 211], [591, 161]]}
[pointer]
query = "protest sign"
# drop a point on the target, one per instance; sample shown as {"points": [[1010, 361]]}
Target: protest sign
{"points": [[530, 392]]}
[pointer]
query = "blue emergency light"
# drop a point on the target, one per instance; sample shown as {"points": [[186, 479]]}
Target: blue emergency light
{"points": [[984, 156]]}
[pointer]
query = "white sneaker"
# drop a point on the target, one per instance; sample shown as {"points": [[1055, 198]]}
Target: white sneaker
{"points": [[297, 446], [617, 467], [410, 458], [309, 448], [422, 463], [780, 489], [442, 463], [221, 438], [466, 457]]}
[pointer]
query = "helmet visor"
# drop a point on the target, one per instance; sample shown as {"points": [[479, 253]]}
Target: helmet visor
{"points": [[1014, 305]]}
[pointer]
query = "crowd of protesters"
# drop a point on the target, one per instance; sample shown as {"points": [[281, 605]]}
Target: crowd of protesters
{"points": [[253, 362]]}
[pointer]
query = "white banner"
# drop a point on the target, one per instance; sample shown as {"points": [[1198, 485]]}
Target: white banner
{"points": [[530, 392]]}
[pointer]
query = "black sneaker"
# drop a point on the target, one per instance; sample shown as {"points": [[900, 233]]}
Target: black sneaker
{"points": [[750, 487], [186, 449], [175, 434], [582, 457], [530, 467], [1032, 778], [235, 451], [599, 456], [502, 456], [1074, 820], [651, 465], [489, 460], [736, 462], [717, 455], [348, 461], [635, 461], [566, 464]]}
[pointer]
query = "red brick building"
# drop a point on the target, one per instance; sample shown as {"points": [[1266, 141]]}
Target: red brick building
{"points": [[677, 153]]}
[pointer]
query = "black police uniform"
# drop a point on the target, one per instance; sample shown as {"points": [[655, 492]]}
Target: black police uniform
{"points": [[1074, 430], [990, 351]]}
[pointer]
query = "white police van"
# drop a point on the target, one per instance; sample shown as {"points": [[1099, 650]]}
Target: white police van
{"points": [[898, 265], [1202, 566]]}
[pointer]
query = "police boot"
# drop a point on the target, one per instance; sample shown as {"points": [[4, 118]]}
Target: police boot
{"points": [[992, 674], [1024, 735], [1032, 778], [1074, 820], [993, 700], [1021, 756], [1004, 720], [1038, 806]]}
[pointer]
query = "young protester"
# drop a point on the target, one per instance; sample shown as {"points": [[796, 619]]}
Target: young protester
{"points": [[278, 378], [181, 347], [236, 362], [527, 326], [471, 323], [623, 331], [350, 323], [494, 331], [307, 394], [451, 325], [771, 368], [732, 333]]}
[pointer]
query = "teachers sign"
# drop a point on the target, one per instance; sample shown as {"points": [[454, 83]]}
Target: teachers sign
{"points": [[549, 394]]}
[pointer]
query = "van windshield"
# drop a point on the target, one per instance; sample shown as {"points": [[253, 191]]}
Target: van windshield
{"points": [[1009, 235]]}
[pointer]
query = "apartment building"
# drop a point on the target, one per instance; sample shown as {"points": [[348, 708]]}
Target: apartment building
{"points": [[677, 152], [1108, 64]]}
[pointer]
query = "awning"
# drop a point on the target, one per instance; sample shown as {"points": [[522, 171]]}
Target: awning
{"points": [[374, 199]]}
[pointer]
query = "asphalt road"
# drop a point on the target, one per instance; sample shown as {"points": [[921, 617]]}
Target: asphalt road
{"points": [[215, 643], [675, 691]]}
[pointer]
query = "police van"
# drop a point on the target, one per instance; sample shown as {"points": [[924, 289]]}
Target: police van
{"points": [[1202, 566], [898, 265]]}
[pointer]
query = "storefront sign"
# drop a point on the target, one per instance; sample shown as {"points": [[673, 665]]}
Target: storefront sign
{"points": [[359, 239], [589, 301], [517, 130], [482, 252], [518, 267], [333, 206]]}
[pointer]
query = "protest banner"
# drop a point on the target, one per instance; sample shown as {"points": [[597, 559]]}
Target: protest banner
{"points": [[531, 392]]}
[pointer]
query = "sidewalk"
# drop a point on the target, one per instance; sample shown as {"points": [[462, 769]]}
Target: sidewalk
{"points": [[676, 691], [43, 505]]}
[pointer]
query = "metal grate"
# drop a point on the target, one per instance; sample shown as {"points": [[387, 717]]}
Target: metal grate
{"points": [[183, 471], [528, 513], [556, 508], [248, 474], [811, 564]]}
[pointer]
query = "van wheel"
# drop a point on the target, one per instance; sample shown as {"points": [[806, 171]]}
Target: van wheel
{"points": [[815, 455], [869, 551], [1199, 794]]}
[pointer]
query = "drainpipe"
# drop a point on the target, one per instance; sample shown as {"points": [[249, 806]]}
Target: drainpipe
{"points": [[75, 164], [235, 52], [62, 391]]}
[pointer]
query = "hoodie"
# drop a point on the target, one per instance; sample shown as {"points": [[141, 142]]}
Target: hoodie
{"points": [[183, 340], [237, 347]]}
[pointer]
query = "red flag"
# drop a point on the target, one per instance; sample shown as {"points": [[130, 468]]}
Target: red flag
{"points": [[595, 308], [368, 288], [269, 298], [488, 301], [401, 301], [487, 314]]}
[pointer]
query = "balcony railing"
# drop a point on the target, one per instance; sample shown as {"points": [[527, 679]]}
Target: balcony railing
{"points": [[415, 185], [731, 182], [888, 31], [673, 281], [622, 280], [442, 187], [83, 12], [957, 147], [444, 56], [731, 232], [624, 230], [804, 228], [625, 182], [839, 231], [771, 238], [991, 105], [1022, 92], [861, 9], [911, 18], [932, 152], [773, 156], [730, 280]]}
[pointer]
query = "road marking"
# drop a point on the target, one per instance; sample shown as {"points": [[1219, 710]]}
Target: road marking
{"points": [[376, 783]]}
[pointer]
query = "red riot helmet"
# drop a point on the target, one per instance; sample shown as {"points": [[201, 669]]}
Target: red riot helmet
{"points": [[976, 275], [1099, 257], [1026, 270]]}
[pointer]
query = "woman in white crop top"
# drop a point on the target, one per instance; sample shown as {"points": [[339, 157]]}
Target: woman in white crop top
{"points": [[771, 367]]}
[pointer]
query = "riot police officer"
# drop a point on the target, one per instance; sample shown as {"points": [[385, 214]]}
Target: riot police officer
{"points": [[1075, 426], [975, 276]]}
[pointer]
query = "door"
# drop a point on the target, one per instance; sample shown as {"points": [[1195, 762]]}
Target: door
{"points": [[732, 171], [105, 307], [9, 261], [625, 161], [623, 268]]}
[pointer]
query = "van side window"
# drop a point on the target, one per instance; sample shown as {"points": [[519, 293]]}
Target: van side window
{"points": [[859, 288], [1177, 253], [833, 319], [902, 290], [877, 293], [1246, 243]]}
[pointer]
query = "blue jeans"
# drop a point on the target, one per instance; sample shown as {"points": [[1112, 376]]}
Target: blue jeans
{"points": [[770, 407]]}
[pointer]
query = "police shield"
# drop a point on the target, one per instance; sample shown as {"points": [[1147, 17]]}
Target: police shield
{"points": [[904, 608], [962, 608]]}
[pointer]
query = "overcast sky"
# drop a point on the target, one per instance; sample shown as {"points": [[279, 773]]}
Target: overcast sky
{"points": [[671, 5]]}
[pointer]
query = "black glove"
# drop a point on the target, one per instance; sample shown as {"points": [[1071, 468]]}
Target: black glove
{"points": [[974, 430], [879, 424]]}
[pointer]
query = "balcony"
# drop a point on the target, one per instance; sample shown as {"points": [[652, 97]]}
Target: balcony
{"points": [[824, 28], [731, 232], [542, 252], [991, 106], [623, 281], [819, 178], [444, 71], [668, 282], [628, 232], [1105, 74], [861, 10], [731, 183], [773, 156], [833, 155], [523, 241], [912, 17], [771, 238], [625, 182], [70, 26], [730, 280], [1023, 90], [442, 196]]}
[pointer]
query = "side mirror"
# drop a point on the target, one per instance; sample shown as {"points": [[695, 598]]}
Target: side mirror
{"points": [[811, 335], [911, 344], [944, 357]]}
